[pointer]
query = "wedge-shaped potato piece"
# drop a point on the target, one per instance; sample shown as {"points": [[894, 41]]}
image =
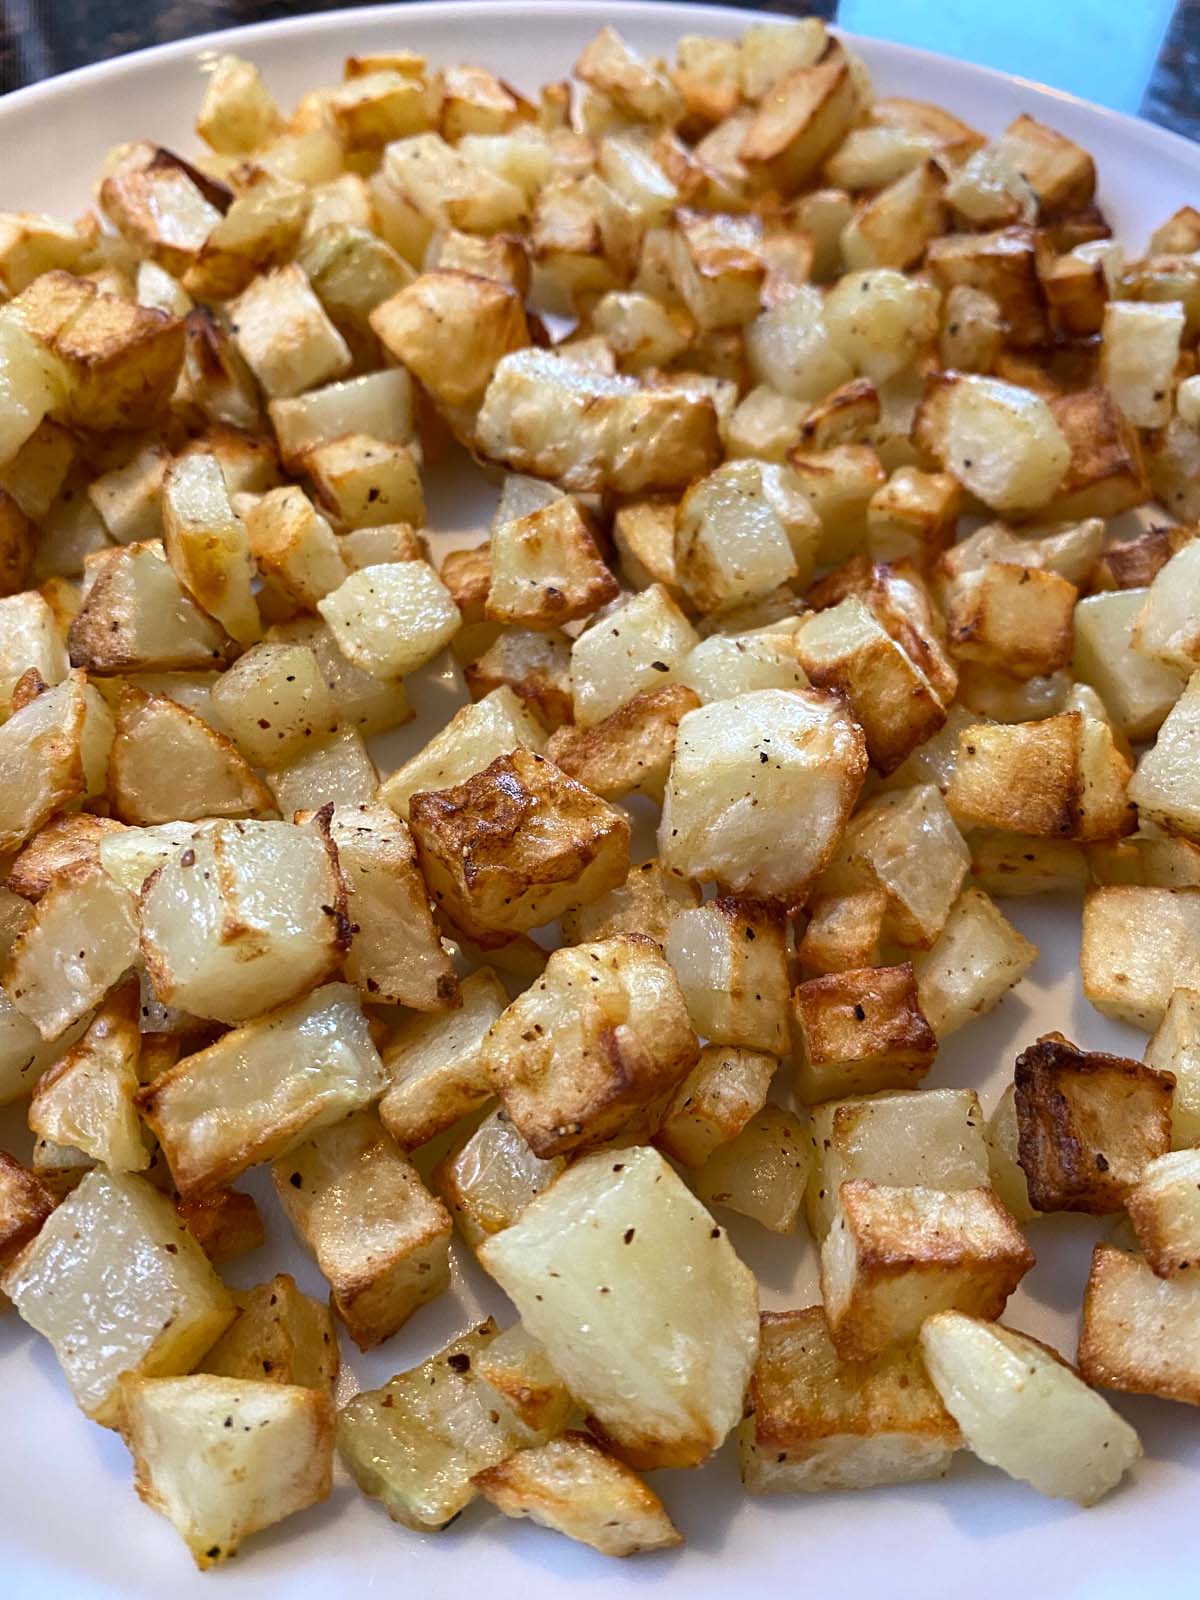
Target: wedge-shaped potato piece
{"points": [[285, 336], [760, 790], [48, 977], [977, 958], [907, 844], [603, 1037], [473, 738], [29, 637], [54, 750], [1059, 777], [275, 702], [1165, 1214], [638, 645], [730, 957], [1139, 946], [276, 1081], [724, 1090], [819, 1423], [1023, 1409], [115, 1255], [137, 617], [388, 620], [999, 440], [1139, 1329], [246, 916], [416, 1442], [336, 771], [490, 1177], [516, 845], [930, 1138], [207, 545], [546, 568], [893, 1257], [220, 1480], [226, 1223], [1163, 787], [1175, 1048], [668, 1351], [1061, 174], [742, 531], [238, 112], [450, 328], [639, 88], [1012, 618], [574, 1487], [801, 117], [1088, 1124], [378, 1235], [588, 432], [857, 1032], [168, 765], [726, 664], [86, 1101], [280, 1336], [763, 1172], [647, 902], [435, 1063], [1139, 347]]}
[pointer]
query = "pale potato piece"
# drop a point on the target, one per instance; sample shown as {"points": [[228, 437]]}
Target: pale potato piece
{"points": [[880, 320], [336, 771], [280, 1336], [1163, 786], [647, 902], [907, 844], [1004, 1167], [24, 1054], [1138, 691], [29, 638], [975, 960], [1139, 346], [295, 547], [388, 620], [473, 738], [1175, 1048], [1139, 946], [168, 765], [999, 440], [136, 616], [741, 532], [716, 1100], [1139, 1329], [801, 117], [379, 1237], [1166, 628], [730, 957], [490, 1177], [435, 1063], [115, 1252], [54, 750], [1021, 1408], [245, 917], [450, 328], [763, 1172], [218, 1480], [284, 335], [238, 112], [726, 664], [635, 646], [1165, 1214], [378, 403], [664, 1363], [207, 545], [446, 189], [791, 350], [275, 702]]}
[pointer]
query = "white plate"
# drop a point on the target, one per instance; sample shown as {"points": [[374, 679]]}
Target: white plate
{"points": [[69, 1521]]}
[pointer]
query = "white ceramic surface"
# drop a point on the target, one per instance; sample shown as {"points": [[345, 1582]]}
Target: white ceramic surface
{"points": [[70, 1525]]}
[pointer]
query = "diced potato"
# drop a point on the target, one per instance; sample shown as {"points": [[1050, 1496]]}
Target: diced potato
{"points": [[801, 117], [1107, 474], [760, 790], [907, 844], [450, 329], [726, 664], [724, 1090], [1139, 1330], [370, 110], [226, 1223], [667, 1353], [1139, 347], [1166, 1217], [761, 1173], [275, 702], [473, 738], [263, 1088], [880, 320], [642, 332], [1000, 441], [647, 902], [857, 1032], [388, 620], [741, 532], [893, 228], [30, 386], [535, 665], [639, 88], [261, 229], [220, 1480], [1012, 618], [115, 1254], [207, 545], [730, 957], [977, 958], [574, 1487], [1021, 1408], [54, 751], [1004, 1167], [238, 112], [1175, 1048], [930, 1138], [247, 916], [1006, 864], [1166, 629], [819, 1423], [169, 765], [792, 351], [894, 1256], [29, 637], [630, 751], [845, 930], [1139, 946], [546, 568], [436, 1066], [1163, 786], [626, 651], [364, 703], [284, 335], [1088, 1124], [280, 1336], [913, 516], [489, 1179], [378, 403], [380, 1239], [1138, 691]]}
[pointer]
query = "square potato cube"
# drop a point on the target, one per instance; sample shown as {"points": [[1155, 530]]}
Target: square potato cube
{"points": [[1164, 1207], [378, 403], [819, 1423], [857, 1032], [25, 1203], [1013, 864], [450, 328], [893, 228], [1138, 691], [536, 666], [1139, 1330], [742, 531], [295, 547], [220, 1480], [1164, 785], [647, 902], [1003, 265], [285, 336], [226, 1223], [640, 89], [490, 1177], [546, 568], [763, 1172], [114, 1254], [1088, 1124], [1139, 946], [898, 597], [907, 844], [638, 644], [370, 111], [602, 1037], [1000, 440], [1013, 618], [913, 517], [435, 1063], [730, 957], [801, 118], [336, 770], [280, 1336], [389, 620], [723, 1091], [717, 265], [893, 1257], [238, 112], [631, 750], [366, 482], [136, 615], [1139, 347], [1061, 174], [844, 931], [277, 1080], [1175, 1048], [120, 361], [1106, 474], [473, 738], [378, 1235], [275, 702], [516, 845], [928, 1137], [975, 960]]}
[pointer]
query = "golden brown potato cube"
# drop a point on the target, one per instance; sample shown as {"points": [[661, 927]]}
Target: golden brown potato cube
{"points": [[238, 112], [378, 1235], [801, 117], [1013, 618], [1060, 777], [896, 1256], [575, 1488], [818, 1423], [763, 1172], [845, 416], [516, 845], [261, 229], [639, 88], [25, 1203], [490, 1177], [280, 1336], [893, 228], [844, 931], [1179, 233], [647, 902], [284, 334], [370, 110], [1060, 173], [1007, 864], [1139, 946], [897, 596], [168, 765], [546, 568], [1003, 265], [535, 665], [631, 750], [707, 73], [839, 484], [1088, 1124], [225, 1224], [435, 1063], [730, 957], [362, 481], [294, 546], [1106, 474], [603, 1036], [31, 244], [17, 539], [450, 328], [160, 211], [914, 516], [717, 266], [1076, 292], [726, 1087], [1139, 1330], [1165, 1211], [215, 385], [121, 361], [858, 1032]]}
